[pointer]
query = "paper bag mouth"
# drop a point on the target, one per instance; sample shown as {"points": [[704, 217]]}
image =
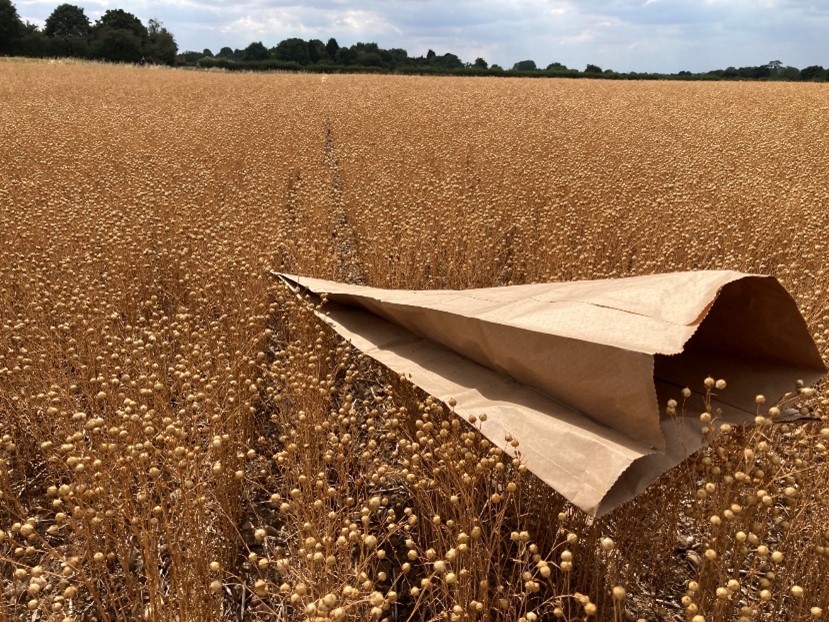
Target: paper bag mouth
{"points": [[577, 371], [754, 337]]}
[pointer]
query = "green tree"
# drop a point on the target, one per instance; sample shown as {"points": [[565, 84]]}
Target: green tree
{"points": [[225, 52], [524, 65], [367, 54], [332, 47], [161, 45], [118, 19], [317, 51], [190, 57], [592, 69], [255, 51], [292, 50], [68, 29], [117, 45], [480, 63], [119, 36], [11, 28], [556, 67], [370, 59], [68, 20], [395, 57], [789, 73], [775, 66], [346, 56], [32, 41], [814, 73], [447, 61]]}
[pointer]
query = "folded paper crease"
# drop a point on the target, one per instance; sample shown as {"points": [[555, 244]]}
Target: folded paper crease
{"points": [[577, 371]]}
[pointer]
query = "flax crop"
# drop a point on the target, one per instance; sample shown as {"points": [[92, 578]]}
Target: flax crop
{"points": [[181, 439]]}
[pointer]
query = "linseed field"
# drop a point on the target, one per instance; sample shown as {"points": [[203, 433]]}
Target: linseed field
{"points": [[181, 439]]}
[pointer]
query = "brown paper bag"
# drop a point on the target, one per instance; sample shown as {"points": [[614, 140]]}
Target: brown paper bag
{"points": [[579, 372]]}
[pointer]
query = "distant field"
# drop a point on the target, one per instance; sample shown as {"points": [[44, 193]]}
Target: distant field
{"points": [[181, 440]]}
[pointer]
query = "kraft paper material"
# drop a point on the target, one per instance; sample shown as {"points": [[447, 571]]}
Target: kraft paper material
{"points": [[580, 372]]}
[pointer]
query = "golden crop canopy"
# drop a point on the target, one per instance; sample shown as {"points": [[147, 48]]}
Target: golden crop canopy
{"points": [[576, 371]]}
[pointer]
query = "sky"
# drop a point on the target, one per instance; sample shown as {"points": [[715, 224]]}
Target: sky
{"points": [[664, 36]]}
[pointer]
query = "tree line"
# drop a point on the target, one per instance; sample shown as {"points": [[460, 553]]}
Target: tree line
{"points": [[119, 36], [314, 55]]}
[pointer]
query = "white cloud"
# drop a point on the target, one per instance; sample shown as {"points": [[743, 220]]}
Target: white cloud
{"points": [[361, 22]]}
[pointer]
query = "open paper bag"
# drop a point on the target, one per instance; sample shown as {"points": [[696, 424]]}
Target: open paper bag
{"points": [[580, 372]]}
